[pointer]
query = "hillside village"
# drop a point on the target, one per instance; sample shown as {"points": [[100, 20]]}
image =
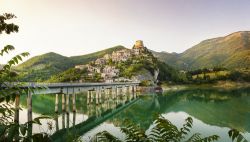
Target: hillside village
{"points": [[105, 66]]}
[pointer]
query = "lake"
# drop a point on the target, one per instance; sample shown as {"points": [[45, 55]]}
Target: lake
{"points": [[214, 111]]}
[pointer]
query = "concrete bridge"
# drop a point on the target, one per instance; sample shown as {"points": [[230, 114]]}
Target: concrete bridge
{"points": [[53, 88], [65, 90]]}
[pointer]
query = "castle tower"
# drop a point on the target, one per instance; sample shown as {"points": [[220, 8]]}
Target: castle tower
{"points": [[138, 47], [139, 44]]}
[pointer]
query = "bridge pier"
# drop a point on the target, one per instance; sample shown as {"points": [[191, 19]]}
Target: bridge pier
{"points": [[63, 108], [63, 102], [130, 96], [97, 95], [67, 108], [74, 118], [88, 97], [56, 104], [124, 91], [108, 90], [91, 96], [88, 112], [56, 123], [127, 89], [117, 91], [29, 106], [130, 88], [133, 89], [116, 94], [67, 119], [104, 94], [113, 92], [97, 113], [121, 90], [67, 103], [74, 101], [17, 103]]}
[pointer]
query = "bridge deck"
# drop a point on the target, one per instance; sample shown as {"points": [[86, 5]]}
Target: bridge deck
{"points": [[60, 85]]}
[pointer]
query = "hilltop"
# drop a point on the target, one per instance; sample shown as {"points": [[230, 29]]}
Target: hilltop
{"points": [[231, 51]]}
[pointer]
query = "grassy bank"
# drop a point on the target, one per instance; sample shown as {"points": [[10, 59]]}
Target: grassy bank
{"points": [[218, 85]]}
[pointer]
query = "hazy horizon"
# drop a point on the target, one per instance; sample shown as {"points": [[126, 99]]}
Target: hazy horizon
{"points": [[78, 27]]}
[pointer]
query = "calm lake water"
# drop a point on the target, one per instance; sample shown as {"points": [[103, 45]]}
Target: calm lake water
{"points": [[213, 111]]}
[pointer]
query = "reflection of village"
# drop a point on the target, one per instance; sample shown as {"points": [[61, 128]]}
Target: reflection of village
{"points": [[104, 66], [99, 104]]}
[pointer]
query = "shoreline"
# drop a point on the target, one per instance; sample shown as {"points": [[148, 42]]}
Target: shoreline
{"points": [[218, 85]]}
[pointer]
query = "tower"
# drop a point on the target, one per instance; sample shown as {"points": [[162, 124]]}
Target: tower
{"points": [[138, 47], [139, 44]]}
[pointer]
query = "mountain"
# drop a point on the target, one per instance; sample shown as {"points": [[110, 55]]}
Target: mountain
{"points": [[45, 60], [231, 51], [43, 66], [40, 68]]}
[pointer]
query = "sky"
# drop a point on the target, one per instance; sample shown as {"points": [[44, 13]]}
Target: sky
{"points": [[77, 27]]}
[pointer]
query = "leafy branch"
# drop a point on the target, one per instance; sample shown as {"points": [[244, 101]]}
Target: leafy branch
{"points": [[236, 135], [162, 131]]}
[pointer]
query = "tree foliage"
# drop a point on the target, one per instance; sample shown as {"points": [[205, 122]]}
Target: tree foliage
{"points": [[9, 89], [235, 135], [69, 75], [218, 74], [162, 131]]}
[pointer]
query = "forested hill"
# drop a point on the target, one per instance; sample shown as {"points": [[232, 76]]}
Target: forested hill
{"points": [[231, 51], [42, 67]]}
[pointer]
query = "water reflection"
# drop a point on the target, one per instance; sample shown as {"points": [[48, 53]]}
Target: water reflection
{"points": [[214, 111], [220, 108], [80, 112]]}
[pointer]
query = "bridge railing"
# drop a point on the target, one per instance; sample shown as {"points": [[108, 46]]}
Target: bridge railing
{"points": [[51, 85]]}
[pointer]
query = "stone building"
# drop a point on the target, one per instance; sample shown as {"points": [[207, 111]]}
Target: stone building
{"points": [[89, 68], [122, 55], [100, 61], [107, 56], [109, 72], [81, 67], [138, 48]]}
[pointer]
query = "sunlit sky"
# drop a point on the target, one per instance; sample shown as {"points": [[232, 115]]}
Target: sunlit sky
{"points": [[77, 27]]}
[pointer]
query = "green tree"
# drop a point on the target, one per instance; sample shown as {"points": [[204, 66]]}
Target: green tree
{"points": [[9, 89]]}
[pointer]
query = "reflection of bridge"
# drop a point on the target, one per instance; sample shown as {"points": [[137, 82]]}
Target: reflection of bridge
{"points": [[97, 114], [65, 90]]}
